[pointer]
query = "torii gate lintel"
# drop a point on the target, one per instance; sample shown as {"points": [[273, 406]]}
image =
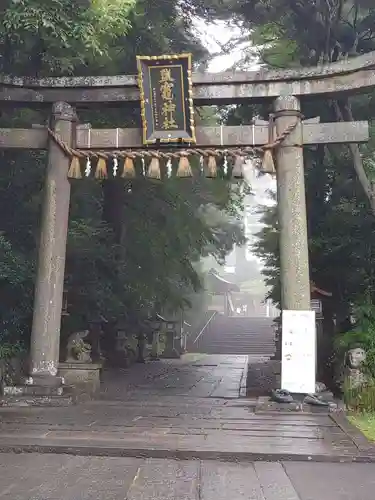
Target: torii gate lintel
{"points": [[342, 77], [88, 138]]}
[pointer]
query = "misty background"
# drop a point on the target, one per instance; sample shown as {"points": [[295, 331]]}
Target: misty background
{"points": [[227, 44]]}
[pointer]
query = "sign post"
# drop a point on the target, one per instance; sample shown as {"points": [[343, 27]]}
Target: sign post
{"points": [[298, 352]]}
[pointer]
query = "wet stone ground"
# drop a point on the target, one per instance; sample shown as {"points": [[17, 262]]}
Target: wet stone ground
{"points": [[125, 444], [65, 477], [190, 408]]}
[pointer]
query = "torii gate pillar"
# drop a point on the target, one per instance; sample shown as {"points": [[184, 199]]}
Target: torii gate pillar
{"points": [[45, 336], [294, 254]]}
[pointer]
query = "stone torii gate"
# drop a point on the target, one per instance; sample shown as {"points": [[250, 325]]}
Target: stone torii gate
{"points": [[64, 96]]}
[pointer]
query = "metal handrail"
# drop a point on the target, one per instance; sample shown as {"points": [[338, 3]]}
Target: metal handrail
{"points": [[205, 326], [230, 302]]}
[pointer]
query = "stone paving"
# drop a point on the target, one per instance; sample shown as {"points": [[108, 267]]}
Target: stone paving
{"points": [[66, 477], [189, 408], [178, 430]]}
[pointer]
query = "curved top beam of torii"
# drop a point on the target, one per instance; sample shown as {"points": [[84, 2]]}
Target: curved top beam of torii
{"points": [[345, 77]]}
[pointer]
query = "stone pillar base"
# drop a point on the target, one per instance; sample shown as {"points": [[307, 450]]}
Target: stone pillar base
{"points": [[38, 385], [171, 354], [37, 391], [83, 378], [154, 357], [44, 380]]}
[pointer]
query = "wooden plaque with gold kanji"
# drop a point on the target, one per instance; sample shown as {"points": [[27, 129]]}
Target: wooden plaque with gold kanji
{"points": [[166, 93]]}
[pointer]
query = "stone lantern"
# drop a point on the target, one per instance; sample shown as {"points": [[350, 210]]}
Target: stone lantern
{"points": [[172, 348], [156, 324]]}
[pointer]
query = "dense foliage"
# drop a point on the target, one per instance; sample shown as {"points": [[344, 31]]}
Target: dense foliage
{"points": [[339, 197], [339, 178], [133, 247]]}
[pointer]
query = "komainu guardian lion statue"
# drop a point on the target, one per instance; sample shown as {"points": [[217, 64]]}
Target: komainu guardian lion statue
{"points": [[77, 349]]}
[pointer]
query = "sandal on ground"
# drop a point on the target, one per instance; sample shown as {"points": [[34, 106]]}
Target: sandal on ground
{"points": [[312, 399], [281, 396]]}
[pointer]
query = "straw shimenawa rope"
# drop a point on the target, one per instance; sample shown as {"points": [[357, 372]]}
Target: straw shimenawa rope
{"points": [[209, 154], [153, 153]]}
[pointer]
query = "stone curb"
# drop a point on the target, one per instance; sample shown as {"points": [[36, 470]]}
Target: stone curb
{"points": [[110, 450], [357, 437]]}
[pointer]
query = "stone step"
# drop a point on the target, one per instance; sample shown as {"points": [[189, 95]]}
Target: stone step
{"points": [[239, 328], [32, 390], [246, 338], [240, 344], [240, 350], [239, 335], [233, 348], [234, 352], [250, 326], [44, 401], [237, 344], [233, 342], [244, 344], [245, 341], [236, 335], [232, 333]]}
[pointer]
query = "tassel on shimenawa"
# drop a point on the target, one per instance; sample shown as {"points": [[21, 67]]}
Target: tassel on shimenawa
{"points": [[129, 169], [74, 171], [268, 165], [211, 168], [184, 167], [154, 169], [101, 171]]}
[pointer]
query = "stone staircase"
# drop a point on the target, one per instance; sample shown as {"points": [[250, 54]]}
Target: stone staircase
{"points": [[236, 335]]}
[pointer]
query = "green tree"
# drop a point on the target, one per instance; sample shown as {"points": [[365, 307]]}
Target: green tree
{"points": [[339, 197], [58, 35], [132, 246]]}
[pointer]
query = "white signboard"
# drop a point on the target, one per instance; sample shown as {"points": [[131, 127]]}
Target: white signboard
{"points": [[298, 351]]}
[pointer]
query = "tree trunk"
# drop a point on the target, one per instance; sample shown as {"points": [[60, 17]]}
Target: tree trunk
{"points": [[344, 112]]}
